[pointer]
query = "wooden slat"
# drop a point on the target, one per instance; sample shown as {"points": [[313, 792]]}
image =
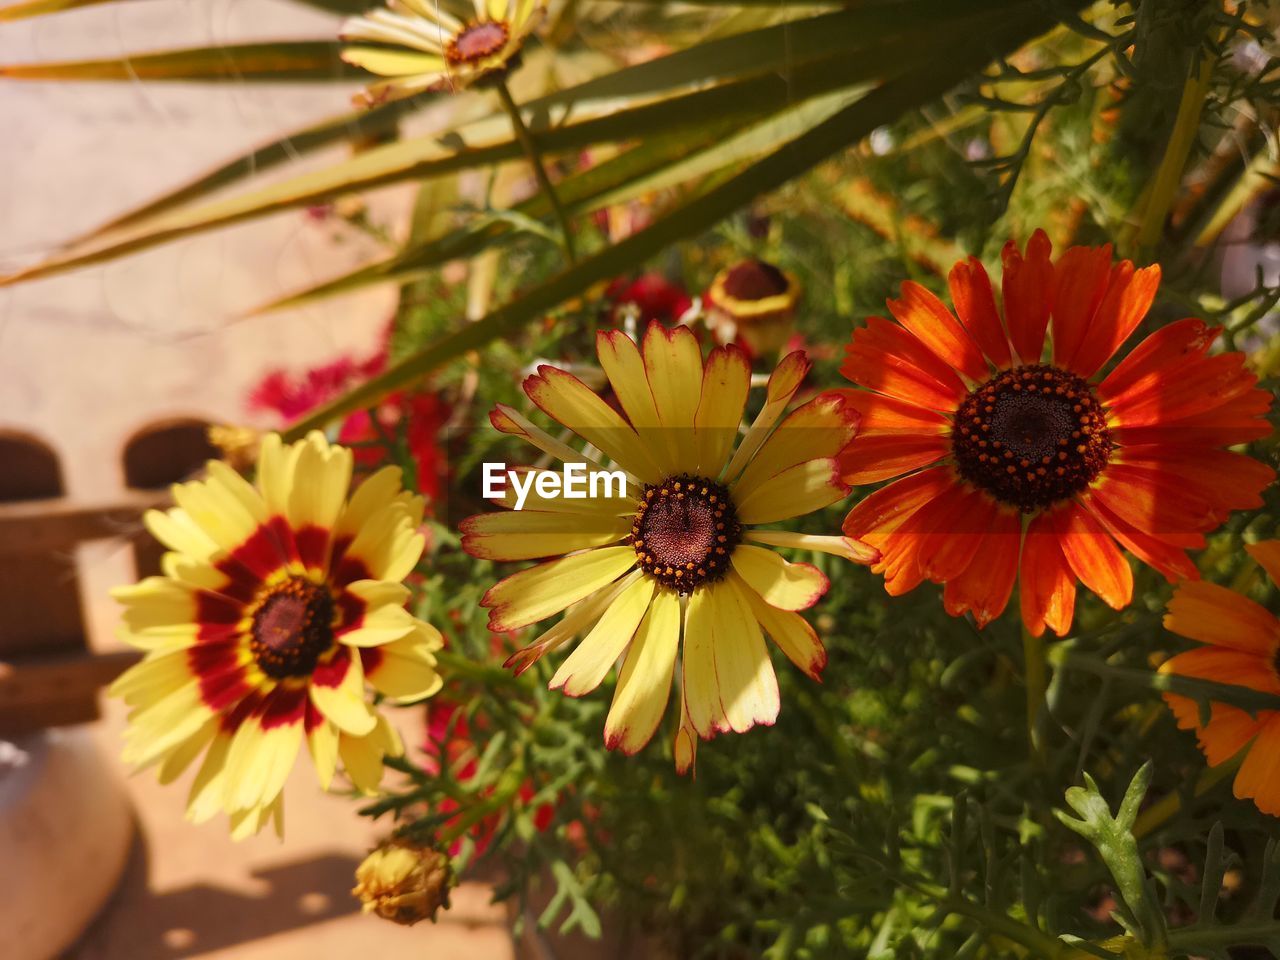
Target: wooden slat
{"points": [[41, 526], [55, 691]]}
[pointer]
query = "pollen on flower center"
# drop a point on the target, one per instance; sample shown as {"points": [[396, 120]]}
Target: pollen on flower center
{"points": [[292, 627], [1031, 436], [684, 532], [477, 41]]}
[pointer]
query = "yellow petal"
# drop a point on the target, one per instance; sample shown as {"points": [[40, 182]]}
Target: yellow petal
{"points": [[528, 534], [569, 401], [205, 798], [337, 690], [534, 594], [783, 384], [578, 618], [802, 489], [818, 430], [744, 673], [788, 586], [701, 689], [791, 632], [620, 358], [362, 760], [176, 530], [593, 658], [185, 753], [259, 762], [394, 63], [322, 740], [404, 671], [322, 478], [673, 365], [725, 384], [846, 547], [644, 684]]}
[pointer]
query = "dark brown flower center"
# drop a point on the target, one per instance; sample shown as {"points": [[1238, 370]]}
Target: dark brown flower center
{"points": [[292, 627], [754, 280], [684, 532], [1031, 436], [477, 41]]}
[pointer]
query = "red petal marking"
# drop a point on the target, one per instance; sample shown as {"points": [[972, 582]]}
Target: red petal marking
{"points": [[1028, 295], [313, 546], [975, 304], [1048, 594], [1093, 555], [933, 325], [885, 415], [351, 610], [888, 507], [268, 548], [1197, 388], [330, 673], [313, 717], [245, 709], [985, 586], [1171, 561], [216, 616], [886, 358], [870, 459], [1227, 480], [1127, 301], [223, 680], [345, 570], [371, 658], [284, 706], [1156, 357], [1080, 282]]}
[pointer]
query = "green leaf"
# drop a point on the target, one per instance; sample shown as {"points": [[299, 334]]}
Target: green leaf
{"points": [[286, 61], [846, 127]]}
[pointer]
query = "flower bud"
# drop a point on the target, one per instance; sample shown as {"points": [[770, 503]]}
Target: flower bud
{"points": [[755, 302], [404, 881]]}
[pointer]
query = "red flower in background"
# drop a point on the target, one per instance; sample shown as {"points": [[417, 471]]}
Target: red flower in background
{"points": [[424, 415], [656, 297], [450, 744]]}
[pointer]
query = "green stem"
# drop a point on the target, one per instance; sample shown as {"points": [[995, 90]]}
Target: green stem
{"points": [[1037, 683], [539, 169]]}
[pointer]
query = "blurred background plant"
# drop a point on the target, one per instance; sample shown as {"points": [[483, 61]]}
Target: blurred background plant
{"points": [[905, 807]]}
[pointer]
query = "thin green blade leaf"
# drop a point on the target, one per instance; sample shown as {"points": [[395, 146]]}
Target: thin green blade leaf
{"points": [[287, 61]]}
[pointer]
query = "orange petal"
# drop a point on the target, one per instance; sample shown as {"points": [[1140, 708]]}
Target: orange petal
{"points": [[1171, 561], [1155, 503], [1267, 554], [1259, 776], [889, 506], [907, 550], [1228, 481], [1195, 388], [1048, 594], [986, 584], [929, 319], [886, 358], [1093, 555], [1167, 348], [1028, 295], [1213, 614], [885, 415], [870, 459], [1080, 282], [976, 307], [1127, 301]]}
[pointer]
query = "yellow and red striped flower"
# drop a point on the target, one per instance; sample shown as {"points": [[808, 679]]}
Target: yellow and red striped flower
{"points": [[1018, 461], [676, 556], [1241, 647], [418, 46], [279, 601]]}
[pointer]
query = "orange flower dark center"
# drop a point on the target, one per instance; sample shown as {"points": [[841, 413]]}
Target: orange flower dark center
{"points": [[477, 41], [754, 280], [292, 627], [1031, 436], [684, 531]]}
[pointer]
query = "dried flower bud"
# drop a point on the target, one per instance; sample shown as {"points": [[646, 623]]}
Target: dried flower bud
{"points": [[753, 301], [404, 881]]}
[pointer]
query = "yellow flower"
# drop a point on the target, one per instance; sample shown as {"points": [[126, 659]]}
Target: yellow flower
{"points": [[676, 553], [755, 301], [422, 47], [404, 882], [278, 602]]}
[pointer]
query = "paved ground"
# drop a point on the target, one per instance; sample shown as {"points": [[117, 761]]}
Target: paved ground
{"points": [[89, 358]]}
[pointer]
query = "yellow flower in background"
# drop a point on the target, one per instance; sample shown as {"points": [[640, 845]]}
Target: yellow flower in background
{"points": [[279, 601], [676, 556], [421, 46]]}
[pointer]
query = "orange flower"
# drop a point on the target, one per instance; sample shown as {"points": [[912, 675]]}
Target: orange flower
{"points": [[1015, 465], [1243, 642]]}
